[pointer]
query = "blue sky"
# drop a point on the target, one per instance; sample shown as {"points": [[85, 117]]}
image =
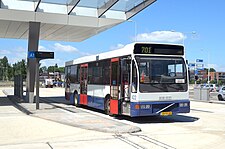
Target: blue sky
{"points": [[198, 23]]}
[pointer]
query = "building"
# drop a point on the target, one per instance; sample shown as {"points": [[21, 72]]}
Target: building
{"points": [[217, 76]]}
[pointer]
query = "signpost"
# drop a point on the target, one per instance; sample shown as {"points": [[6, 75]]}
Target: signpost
{"points": [[199, 60], [198, 65], [39, 55]]}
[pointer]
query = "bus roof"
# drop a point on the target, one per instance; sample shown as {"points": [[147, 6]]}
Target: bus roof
{"points": [[126, 50]]}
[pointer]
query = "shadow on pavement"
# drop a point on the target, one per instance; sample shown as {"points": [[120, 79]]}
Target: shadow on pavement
{"points": [[140, 120], [57, 99], [159, 119], [5, 102]]}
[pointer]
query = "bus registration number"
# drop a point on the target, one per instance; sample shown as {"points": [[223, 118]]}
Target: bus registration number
{"points": [[166, 113]]}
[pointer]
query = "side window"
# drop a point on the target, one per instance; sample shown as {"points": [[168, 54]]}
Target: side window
{"points": [[73, 74], [90, 74], [78, 73], [106, 72], [95, 73], [66, 68], [67, 73]]}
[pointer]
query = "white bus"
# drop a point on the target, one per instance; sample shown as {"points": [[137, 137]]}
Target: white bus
{"points": [[140, 79]]}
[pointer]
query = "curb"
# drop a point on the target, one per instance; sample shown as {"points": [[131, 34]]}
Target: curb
{"points": [[210, 101]]}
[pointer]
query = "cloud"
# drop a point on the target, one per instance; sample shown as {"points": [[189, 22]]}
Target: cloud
{"points": [[14, 55], [84, 53], [42, 48], [118, 46], [64, 48], [4, 52], [52, 62], [218, 68], [161, 36]]}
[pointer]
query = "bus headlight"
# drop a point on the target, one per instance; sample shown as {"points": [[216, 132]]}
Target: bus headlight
{"points": [[183, 105]]}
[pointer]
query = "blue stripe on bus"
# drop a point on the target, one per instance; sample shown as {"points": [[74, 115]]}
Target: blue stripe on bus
{"points": [[94, 102], [154, 107], [98, 103]]}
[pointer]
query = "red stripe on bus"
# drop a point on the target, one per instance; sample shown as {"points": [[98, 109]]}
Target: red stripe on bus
{"points": [[84, 65], [114, 59], [114, 106]]}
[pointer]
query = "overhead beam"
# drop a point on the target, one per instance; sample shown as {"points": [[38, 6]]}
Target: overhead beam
{"points": [[130, 13], [38, 3], [106, 7], [74, 4]]}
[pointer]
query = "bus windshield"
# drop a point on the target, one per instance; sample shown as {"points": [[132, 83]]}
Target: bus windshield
{"points": [[162, 74]]}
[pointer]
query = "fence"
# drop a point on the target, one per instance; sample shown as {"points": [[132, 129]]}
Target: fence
{"points": [[201, 93]]}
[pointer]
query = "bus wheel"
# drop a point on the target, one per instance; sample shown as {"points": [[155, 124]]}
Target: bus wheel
{"points": [[107, 106], [76, 99]]}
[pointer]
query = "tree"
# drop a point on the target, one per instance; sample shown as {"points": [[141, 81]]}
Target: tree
{"points": [[5, 66], [43, 69], [212, 70], [61, 69], [19, 68], [8, 71], [55, 68], [51, 68]]}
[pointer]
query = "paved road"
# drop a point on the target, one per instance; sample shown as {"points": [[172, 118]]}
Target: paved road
{"points": [[19, 130], [202, 128]]}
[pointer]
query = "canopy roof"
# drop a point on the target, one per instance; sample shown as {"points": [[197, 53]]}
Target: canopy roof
{"points": [[65, 20]]}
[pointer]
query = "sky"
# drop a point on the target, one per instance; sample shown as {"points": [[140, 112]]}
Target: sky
{"points": [[199, 24]]}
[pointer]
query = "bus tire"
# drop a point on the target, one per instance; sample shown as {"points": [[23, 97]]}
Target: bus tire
{"points": [[75, 99], [107, 105]]}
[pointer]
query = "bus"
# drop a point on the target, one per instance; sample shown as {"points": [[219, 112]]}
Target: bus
{"points": [[140, 79]]}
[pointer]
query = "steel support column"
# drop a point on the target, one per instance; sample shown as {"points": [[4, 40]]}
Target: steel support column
{"points": [[33, 41]]}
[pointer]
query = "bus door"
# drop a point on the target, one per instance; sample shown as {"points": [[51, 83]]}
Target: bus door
{"points": [[125, 79], [114, 86], [83, 84]]}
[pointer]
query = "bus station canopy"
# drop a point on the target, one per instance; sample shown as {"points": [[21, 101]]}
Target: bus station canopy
{"points": [[65, 20]]}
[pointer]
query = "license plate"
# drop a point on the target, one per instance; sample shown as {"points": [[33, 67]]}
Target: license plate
{"points": [[166, 113]]}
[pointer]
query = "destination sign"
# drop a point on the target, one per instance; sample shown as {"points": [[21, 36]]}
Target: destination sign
{"points": [[158, 49], [40, 55], [44, 55]]}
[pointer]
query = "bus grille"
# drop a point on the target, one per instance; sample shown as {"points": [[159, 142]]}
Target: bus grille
{"points": [[158, 107]]}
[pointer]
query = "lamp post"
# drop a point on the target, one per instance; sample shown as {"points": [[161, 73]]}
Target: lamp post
{"points": [[208, 72], [184, 33], [135, 29], [192, 33]]}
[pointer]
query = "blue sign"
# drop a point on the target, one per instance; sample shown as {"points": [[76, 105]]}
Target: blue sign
{"points": [[199, 60], [191, 65], [196, 72], [200, 69], [31, 54]]}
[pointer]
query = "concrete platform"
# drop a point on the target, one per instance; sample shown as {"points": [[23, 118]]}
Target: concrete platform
{"points": [[64, 113]]}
